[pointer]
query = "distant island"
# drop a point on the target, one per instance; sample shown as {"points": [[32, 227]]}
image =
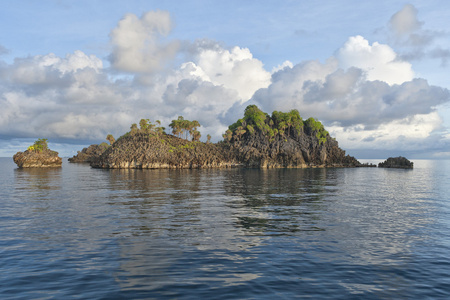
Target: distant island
{"points": [[396, 162], [258, 140], [38, 155]]}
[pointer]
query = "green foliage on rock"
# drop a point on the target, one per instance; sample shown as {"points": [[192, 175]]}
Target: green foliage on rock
{"points": [[255, 120], [185, 128], [39, 145], [317, 127]]}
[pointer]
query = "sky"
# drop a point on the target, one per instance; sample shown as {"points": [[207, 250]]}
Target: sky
{"points": [[375, 73]]}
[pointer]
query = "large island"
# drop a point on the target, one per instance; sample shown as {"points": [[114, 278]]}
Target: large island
{"points": [[258, 140]]}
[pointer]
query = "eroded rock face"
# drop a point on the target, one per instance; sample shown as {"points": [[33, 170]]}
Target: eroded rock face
{"points": [[143, 151], [294, 150], [396, 162], [89, 154], [300, 150], [34, 159]]}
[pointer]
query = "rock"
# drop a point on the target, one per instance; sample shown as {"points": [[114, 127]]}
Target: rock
{"points": [[89, 154], [37, 159], [396, 162], [143, 151]]}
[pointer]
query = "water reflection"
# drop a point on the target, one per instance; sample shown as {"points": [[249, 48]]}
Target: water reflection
{"points": [[168, 233]]}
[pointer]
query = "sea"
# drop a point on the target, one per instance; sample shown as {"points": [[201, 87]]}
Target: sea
{"points": [[340, 233]]}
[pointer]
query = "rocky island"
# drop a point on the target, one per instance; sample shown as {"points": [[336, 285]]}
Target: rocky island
{"points": [[258, 140], [89, 154], [396, 162], [38, 156]]}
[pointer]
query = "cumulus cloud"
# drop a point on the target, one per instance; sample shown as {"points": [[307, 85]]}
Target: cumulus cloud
{"points": [[137, 42], [234, 68], [366, 95], [378, 61], [52, 96]]}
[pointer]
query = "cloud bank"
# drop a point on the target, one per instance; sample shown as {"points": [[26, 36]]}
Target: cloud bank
{"points": [[367, 95]]}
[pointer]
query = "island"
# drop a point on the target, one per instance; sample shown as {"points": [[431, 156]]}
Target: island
{"points": [[89, 154], [38, 155], [396, 162], [257, 140]]}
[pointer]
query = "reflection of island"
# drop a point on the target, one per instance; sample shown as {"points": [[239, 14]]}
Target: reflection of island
{"points": [[258, 140], [182, 218]]}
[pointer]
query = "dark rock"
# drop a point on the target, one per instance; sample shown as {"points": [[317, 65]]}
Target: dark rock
{"points": [[164, 151], [295, 150], [396, 162], [37, 159], [89, 154], [144, 151]]}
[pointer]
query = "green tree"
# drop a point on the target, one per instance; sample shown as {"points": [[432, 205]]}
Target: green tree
{"points": [[134, 129], [110, 138], [39, 145]]}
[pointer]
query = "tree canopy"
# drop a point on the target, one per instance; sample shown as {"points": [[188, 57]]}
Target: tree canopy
{"points": [[39, 145], [185, 129], [279, 124]]}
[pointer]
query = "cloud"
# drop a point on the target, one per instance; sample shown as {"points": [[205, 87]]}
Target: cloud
{"points": [[137, 44], [53, 97], [234, 68], [405, 22], [378, 61], [416, 42], [366, 94], [3, 50]]}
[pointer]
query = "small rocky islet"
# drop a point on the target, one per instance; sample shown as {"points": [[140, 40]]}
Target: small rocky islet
{"points": [[38, 155]]}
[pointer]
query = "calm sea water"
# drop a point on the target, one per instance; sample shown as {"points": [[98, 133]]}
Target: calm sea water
{"points": [[365, 233]]}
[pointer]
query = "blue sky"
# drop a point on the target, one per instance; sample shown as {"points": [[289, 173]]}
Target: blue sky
{"points": [[374, 72]]}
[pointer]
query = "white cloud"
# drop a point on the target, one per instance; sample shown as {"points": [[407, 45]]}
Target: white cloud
{"points": [[137, 45], [235, 69], [414, 42], [405, 21], [378, 61], [366, 95]]}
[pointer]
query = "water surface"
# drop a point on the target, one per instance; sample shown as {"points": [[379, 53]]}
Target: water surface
{"points": [[363, 233]]}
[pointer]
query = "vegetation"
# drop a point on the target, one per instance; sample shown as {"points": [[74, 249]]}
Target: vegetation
{"points": [[39, 145], [110, 138], [318, 128], [278, 125], [185, 128]]}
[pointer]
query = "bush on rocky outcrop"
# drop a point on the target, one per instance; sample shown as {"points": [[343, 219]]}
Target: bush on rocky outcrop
{"points": [[38, 156]]}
